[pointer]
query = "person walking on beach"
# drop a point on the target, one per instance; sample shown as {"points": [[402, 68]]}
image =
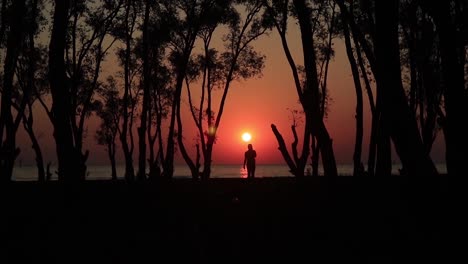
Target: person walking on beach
{"points": [[249, 159]]}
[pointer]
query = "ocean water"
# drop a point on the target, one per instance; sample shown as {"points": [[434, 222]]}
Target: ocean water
{"points": [[103, 172]]}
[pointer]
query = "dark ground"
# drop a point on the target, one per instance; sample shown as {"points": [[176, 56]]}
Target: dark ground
{"points": [[315, 220]]}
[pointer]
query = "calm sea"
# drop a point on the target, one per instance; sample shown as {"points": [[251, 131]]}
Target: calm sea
{"points": [[29, 173]]}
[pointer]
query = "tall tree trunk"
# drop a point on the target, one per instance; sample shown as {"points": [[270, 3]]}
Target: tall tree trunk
{"points": [[28, 122], [362, 46], [68, 168], [146, 97], [396, 114], [358, 170], [374, 112], [455, 95], [129, 171], [183, 151], [8, 150], [431, 86], [311, 91], [168, 166]]}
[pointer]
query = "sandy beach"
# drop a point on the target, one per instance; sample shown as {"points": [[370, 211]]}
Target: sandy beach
{"points": [[347, 220]]}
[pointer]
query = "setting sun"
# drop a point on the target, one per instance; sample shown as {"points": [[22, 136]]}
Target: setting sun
{"points": [[246, 137]]}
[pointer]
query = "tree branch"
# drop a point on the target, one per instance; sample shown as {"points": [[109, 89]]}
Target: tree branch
{"points": [[284, 151]]}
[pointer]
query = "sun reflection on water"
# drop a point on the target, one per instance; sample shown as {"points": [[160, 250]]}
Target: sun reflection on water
{"points": [[243, 173]]}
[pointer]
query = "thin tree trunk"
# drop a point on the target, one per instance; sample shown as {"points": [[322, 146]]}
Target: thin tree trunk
{"points": [[183, 151], [181, 66], [129, 171], [358, 170], [146, 97], [168, 166]]}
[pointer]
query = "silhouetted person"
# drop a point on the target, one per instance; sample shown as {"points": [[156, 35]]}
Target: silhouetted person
{"points": [[249, 159]]}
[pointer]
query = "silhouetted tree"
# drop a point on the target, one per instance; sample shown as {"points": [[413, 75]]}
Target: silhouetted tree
{"points": [[359, 15], [421, 66], [160, 82], [450, 20], [109, 113], [90, 25], [187, 25], [83, 55], [161, 95], [8, 149], [68, 167], [357, 164], [311, 98], [30, 73], [238, 61], [324, 31], [309, 93], [397, 117], [156, 30], [277, 16], [146, 94], [124, 31]]}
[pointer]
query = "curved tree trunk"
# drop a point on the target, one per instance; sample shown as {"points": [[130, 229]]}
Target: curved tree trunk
{"points": [[358, 170], [311, 91]]}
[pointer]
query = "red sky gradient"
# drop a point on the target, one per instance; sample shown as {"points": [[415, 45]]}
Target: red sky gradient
{"points": [[252, 106]]}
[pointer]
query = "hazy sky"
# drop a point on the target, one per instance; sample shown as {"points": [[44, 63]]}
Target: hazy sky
{"points": [[252, 106]]}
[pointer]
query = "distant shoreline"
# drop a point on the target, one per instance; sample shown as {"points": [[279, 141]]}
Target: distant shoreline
{"points": [[28, 173]]}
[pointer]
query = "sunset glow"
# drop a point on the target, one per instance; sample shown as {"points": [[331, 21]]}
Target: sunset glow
{"points": [[246, 137]]}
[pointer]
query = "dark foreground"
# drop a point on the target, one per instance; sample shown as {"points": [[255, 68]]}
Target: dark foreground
{"points": [[350, 220]]}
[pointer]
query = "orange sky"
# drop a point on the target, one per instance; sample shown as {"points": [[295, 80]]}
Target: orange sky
{"points": [[252, 106], [255, 104]]}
